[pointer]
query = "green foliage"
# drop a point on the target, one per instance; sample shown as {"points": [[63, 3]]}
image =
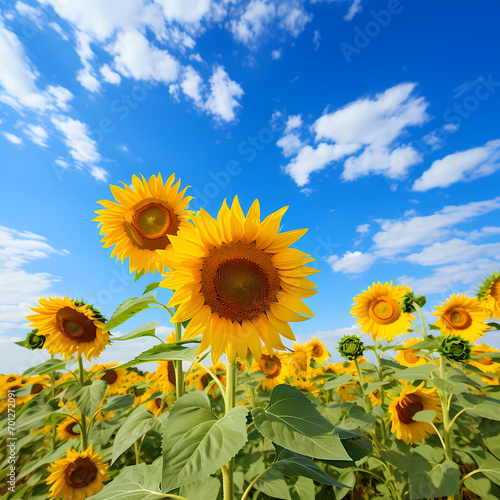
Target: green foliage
{"points": [[130, 308], [147, 330], [48, 366]]}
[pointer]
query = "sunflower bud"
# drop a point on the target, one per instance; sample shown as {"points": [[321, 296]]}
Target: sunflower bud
{"points": [[351, 347], [455, 348], [408, 300], [33, 340]]}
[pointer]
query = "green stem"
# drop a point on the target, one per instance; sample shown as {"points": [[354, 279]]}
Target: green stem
{"points": [[227, 470], [179, 375], [250, 486], [421, 316], [362, 383], [83, 424], [446, 414], [137, 453]]}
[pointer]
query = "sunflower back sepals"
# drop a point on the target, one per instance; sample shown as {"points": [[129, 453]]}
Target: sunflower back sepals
{"points": [[409, 301], [455, 348], [351, 347], [32, 341]]}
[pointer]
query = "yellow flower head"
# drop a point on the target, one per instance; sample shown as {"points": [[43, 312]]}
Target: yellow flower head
{"points": [[485, 364], [274, 366], [69, 428], [463, 316], [115, 378], [142, 220], [70, 327], [408, 357], [403, 408], [346, 392], [378, 311], [78, 476], [238, 281], [490, 294], [317, 350], [166, 376], [201, 379]]}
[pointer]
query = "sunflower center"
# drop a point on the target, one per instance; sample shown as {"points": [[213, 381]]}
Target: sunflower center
{"points": [[11, 379], [408, 407], [70, 429], [75, 325], [410, 356], [80, 473], [171, 373], [150, 224], [270, 365], [110, 377], [317, 351], [204, 380], [300, 359], [157, 402], [486, 360], [239, 281], [384, 311], [459, 319], [36, 388]]}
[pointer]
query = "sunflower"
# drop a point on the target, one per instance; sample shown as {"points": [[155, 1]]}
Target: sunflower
{"points": [[299, 360], [485, 363], [317, 350], [200, 379], [346, 392], [376, 397], [489, 292], [408, 357], [308, 387], [463, 316], [69, 428], [11, 383], [238, 281], [274, 366], [410, 401], [379, 313], [166, 376], [70, 326], [115, 378], [142, 220], [38, 384], [78, 476]]}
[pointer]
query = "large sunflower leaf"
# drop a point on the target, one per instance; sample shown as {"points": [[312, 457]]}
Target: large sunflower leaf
{"points": [[333, 382], [164, 352], [89, 397], [421, 372], [482, 406], [291, 421], [129, 308], [51, 365], [147, 330], [208, 489], [196, 443], [135, 426]]}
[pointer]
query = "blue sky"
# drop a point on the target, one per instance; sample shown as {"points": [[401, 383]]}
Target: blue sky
{"points": [[376, 122]]}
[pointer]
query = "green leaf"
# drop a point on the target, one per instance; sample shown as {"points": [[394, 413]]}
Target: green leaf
{"points": [[207, 489], [196, 443], [90, 396], [129, 308], [303, 489], [164, 352], [425, 416], [373, 386], [493, 325], [332, 383], [38, 461], [291, 421], [151, 287], [138, 482], [139, 274], [482, 406], [273, 484], [51, 365], [434, 327], [138, 423], [482, 487], [293, 464], [147, 330], [421, 372]]}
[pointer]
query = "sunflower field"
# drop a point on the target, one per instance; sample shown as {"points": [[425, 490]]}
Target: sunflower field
{"points": [[235, 408]]}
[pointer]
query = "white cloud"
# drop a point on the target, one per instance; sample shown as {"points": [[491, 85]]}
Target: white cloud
{"points": [[109, 75], [37, 134], [185, 11], [363, 228], [374, 127], [293, 122], [99, 173], [351, 262], [354, 8], [276, 54], [291, 144], [462, 166], [192, 85], [309, 160], [136, 57], [34, 14], [13, 138], [316, 40], [224, 95]]}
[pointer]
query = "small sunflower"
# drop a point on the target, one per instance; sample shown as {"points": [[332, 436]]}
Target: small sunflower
{"points": [[70, 326], [317, 350], [115, 378], [78, 476], [378, 311], [489, 292], [410, 401], [274, 366], [200, 379], [346, 392], [157, 405], [308, 387], [408, 357], [69, 428], [485, 364], [464, 316], [238, 281], [376, 397], [142, 220], [299, 360], [166, 376]]}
